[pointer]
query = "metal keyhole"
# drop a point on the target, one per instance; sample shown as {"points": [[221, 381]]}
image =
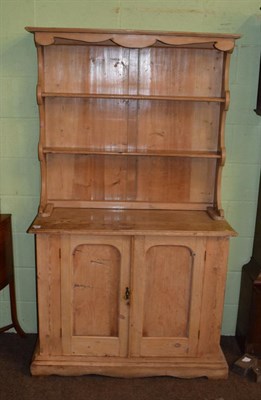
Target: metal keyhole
{"points": [[127, 294]]}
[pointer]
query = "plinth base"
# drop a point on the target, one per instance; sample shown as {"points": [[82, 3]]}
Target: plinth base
{"points": [[214, 367]]}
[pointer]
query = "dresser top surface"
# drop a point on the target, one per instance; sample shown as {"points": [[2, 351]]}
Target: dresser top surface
{"points": [[130, 222]]}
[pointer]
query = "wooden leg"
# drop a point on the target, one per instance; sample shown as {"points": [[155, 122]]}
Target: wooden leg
{"points": [[6, 328], [15, 321]]}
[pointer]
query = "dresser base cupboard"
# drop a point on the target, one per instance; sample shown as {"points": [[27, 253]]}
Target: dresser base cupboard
{"points": [[131, 239], [130, 299]]}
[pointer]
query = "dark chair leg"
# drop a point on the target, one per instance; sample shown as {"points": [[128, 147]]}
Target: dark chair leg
{"points": [[15, 321]]}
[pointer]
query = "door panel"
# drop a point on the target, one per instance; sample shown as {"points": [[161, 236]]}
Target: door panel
{"points": [[95, 274], [165, 287], [96, 286], [167, 282]]}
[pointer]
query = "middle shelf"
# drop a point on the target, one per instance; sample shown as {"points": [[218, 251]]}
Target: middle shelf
{"points": [[146, 153]]}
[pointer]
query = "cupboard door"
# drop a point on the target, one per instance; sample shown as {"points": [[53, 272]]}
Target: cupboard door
{"points": [[95, 275], [166, 296]]}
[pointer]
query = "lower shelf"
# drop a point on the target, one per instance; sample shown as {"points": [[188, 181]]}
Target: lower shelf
{"points": [[214, 367]]}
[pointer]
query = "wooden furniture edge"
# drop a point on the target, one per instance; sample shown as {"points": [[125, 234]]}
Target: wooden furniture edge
{"points": [[33, 29]]}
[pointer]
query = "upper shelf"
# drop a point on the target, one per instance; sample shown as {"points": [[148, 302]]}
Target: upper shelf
{"points": [[134, 97], [132, 39]]}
